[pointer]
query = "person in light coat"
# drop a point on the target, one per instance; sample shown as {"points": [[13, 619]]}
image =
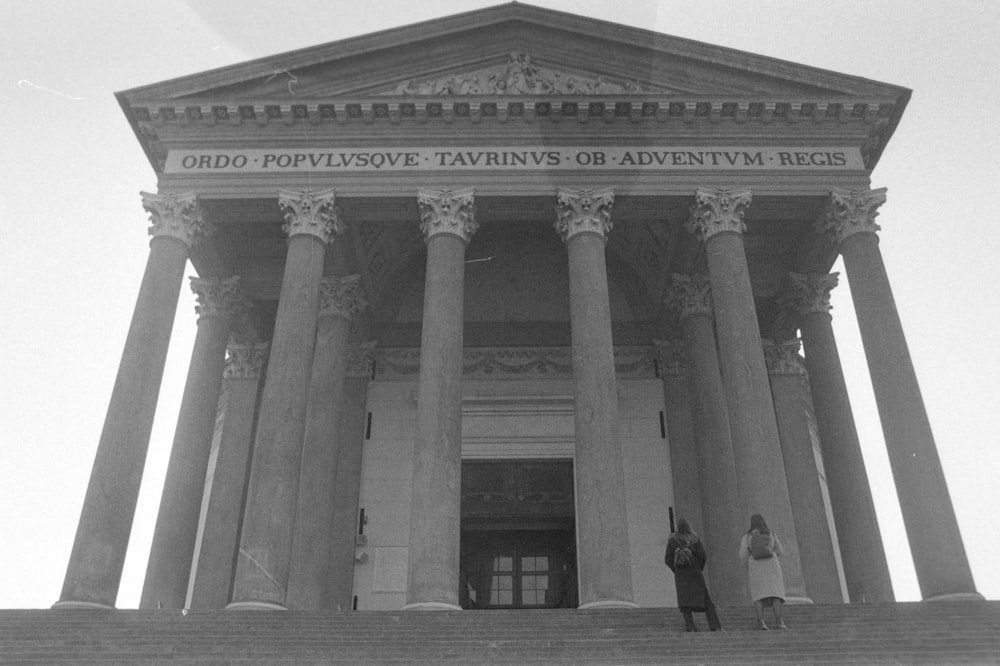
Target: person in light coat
{"points": [[767, 584]]}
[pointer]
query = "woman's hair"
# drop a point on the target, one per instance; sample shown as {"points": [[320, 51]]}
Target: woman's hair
{"points": [[683, 526], [757, 523]]}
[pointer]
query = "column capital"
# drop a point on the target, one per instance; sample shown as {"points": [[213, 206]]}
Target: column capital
{"points": [[671, 356], [310, 212], [360, 358], [851, 212], [341, 297], [584, 211], [716, 211], [810, 293], [783, 357], [218, 297], [246, 360], [176, 215], [447, 212], [690, 295]]}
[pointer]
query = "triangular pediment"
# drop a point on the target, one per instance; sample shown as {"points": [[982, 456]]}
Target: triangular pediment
{"points": [[512, 49]]}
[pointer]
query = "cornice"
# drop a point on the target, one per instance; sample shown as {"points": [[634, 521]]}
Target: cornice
{"points": [[582, 108]]}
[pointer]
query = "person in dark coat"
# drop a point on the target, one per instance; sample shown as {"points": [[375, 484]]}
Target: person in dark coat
{"points": [[687, 565]]}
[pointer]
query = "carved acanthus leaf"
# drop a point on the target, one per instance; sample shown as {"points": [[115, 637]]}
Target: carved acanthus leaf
{"points": [[218, 298], [176, 215], [520, 76], [584, 211], [447, 212], [341, 297], [851, 212], [716, 211], [810, 293], [783, 357], [313, 213], [690, 295], [246, 361]]}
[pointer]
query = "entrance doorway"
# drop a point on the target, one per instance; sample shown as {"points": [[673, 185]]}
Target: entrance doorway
{"points": [[518, 543]]}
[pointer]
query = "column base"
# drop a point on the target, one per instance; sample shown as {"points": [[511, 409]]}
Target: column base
{"points": [[255, 606], [81, 605], [958, 596], [614, 603], [432, 606], [798, 600]]}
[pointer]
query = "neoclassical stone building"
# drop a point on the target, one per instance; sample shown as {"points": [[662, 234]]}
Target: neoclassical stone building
{"points": [[486, 303]]}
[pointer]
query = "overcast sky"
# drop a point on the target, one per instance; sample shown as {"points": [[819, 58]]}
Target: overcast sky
{"points": [[73, 241]]}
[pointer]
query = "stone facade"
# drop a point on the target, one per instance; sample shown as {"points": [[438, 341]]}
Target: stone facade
{"points": [[475, 277]]}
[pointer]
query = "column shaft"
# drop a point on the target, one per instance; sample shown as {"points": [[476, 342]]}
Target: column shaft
{"points": [[932, 530], [314, 519], [756, 445], [346, 489], [263, 563], [862, 553], [721, 506], [684, 465], [602, 518], [169, 567], [220, 534], [816, 549], [98, 555], [437, 460]]}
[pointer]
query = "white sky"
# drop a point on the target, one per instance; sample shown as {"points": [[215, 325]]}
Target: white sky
{"points": [[74, 244]]}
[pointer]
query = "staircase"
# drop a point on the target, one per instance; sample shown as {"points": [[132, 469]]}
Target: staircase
{"points": [[903, 633]]}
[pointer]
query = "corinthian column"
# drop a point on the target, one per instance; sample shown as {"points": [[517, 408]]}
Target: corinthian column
{"points": [[584, 221], [340, 300], [691, 296], [865, 568], [789, 386], [447, 221], [219, 540], [264, 559], [717, 219], [351, 429], [935, 541], [172, 549], [102, 535]]}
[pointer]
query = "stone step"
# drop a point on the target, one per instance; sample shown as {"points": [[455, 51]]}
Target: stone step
{"points": [[961, 632]]}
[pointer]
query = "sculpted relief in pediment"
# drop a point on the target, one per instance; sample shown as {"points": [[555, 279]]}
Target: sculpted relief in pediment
{"points": [[520, 76]]}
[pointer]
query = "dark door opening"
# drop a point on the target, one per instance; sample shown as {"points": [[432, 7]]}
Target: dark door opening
{"points": [[518, 543]]}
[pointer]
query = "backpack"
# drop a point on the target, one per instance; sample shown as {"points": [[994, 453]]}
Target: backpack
{"points": [[683, 557], [761, 546]]}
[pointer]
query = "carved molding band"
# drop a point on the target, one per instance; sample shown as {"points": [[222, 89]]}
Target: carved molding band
{"points": [[584, 211], [312, 213], [447, 212], [513, 363], [246, 361], [175, 215], [218, 298], [361, 358], [671, 356], [690, 295], [341, 297], [716, 211], [852, 212], [520, 76], [783, 357], [810, 293]]}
